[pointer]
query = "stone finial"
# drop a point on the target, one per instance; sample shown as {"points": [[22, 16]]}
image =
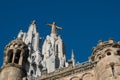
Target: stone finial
{"points": [[100, 42], [54, 27], [72, 55], [119, 42], [20, 34], [33, 22], [111, 40], [73, 58]]}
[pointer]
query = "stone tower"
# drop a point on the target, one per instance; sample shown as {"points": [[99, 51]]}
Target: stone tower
{"points": [[53, 50], [107, 55], [32, 40], [15, 57]]}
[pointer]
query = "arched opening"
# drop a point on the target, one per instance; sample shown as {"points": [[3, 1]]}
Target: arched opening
{"points": [[87, 76], [57, 62], [57, 48], [31, 73], [75, 78], [17, 56], [10, 56], [108, 53], [118, 52]]}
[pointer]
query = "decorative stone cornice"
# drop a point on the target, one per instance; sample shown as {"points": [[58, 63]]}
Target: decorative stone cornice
{"points": [[68, 71]]}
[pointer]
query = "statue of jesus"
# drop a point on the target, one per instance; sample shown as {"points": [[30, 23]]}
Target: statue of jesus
{"points": [[54, 27]]}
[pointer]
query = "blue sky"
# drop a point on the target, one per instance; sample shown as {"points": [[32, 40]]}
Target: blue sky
{"points": [[84, 22]]}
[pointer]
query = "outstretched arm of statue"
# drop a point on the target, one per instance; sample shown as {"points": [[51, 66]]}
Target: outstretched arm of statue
{"points": [[48, 24], [58, 27]]}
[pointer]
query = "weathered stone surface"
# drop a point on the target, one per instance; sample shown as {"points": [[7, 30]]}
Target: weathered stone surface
{"points": [[12, 73]]}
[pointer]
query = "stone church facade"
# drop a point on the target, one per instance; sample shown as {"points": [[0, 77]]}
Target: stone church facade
{"points": [[24, 59]]}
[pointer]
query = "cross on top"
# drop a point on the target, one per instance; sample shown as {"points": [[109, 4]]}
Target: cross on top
{"points": [[54, 27]]}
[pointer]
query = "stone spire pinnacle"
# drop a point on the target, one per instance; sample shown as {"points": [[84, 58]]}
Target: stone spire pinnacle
{"points": [[32, 40], [32, 28], [54, 27], [73, 58], [72, 55], [33, 22]]}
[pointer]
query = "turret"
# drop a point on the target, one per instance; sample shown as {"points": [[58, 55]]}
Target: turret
{"points": [[107, 56], [15, 57]]}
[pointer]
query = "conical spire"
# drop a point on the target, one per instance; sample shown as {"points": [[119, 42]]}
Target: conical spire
{"points": [[73, 57], [72, 54], [20, 34], [32, 31], [32, 28]]}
